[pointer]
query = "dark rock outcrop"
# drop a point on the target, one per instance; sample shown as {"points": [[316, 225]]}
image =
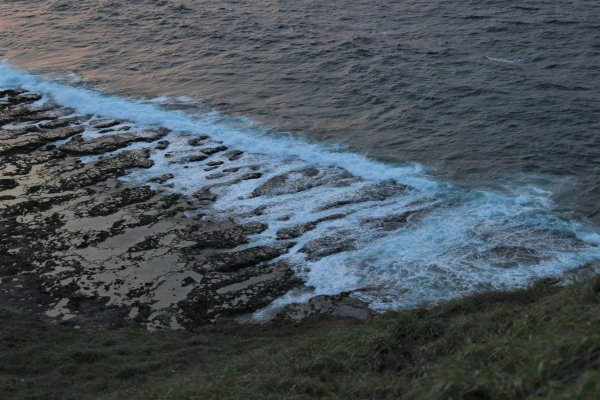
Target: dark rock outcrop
{"points": [[80, 247]]}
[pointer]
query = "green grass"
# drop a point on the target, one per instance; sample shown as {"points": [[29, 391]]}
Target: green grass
{"points": [[538, 343]]}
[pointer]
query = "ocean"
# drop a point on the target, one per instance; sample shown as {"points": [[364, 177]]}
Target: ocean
{"points": [[444, 147]]}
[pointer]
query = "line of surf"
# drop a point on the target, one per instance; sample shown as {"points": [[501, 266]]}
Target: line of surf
{"points": [[249, 136], [465, 245]]}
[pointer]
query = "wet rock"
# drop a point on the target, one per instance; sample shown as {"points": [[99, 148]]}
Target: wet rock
{"points": [[395, 221], [12, 98], [102, 124], [29, 206], [162, 178], [24, 113], [163, 144], [14, 133], [107, 167], [221, 237], [328, 245], [234, 155], [244, 292], [61, 133], [109, 143], [340, 306], [251, 175], [122, 199], [18, 164], [580, 274], [377, 192], [197, 141], [11, 92], [196, 158], [62, 122], [301, 180], [188, 281], [28, 97], [260, 210], [255, 288], [7, 183], [7, 135], [217, 175], [298, 230], [111, 130], [33, 141], [234, 261], [213, 150], [91, 313], [512, 256], [81, 247], [205, 194]]}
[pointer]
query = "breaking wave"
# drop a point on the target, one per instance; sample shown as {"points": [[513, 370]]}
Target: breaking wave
{"points": [[390, 234]]}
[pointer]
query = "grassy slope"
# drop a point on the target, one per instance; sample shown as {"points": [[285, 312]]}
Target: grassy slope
{"points": [[543, 342]]}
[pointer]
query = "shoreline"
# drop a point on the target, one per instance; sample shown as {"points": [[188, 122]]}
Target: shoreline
{"points": [[83, 248]]}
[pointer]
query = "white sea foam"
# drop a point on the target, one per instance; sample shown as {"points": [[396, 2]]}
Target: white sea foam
{"points": [[394, 245], [175, 100], [236, 133], [505, 60]]}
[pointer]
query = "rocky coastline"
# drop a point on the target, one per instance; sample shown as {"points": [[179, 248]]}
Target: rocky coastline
{"points": [[81, 247]]}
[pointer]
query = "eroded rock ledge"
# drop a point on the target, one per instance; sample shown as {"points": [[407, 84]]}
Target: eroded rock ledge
{"points": [[80, 247]]}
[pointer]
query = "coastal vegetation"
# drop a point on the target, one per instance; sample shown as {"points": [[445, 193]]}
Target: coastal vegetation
{"points": [[533, 343]]}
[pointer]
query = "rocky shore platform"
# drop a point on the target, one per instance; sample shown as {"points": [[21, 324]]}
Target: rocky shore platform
{"points": [[81, 246], [106, 222]]}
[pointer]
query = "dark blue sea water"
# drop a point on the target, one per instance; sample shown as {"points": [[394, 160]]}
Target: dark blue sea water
{"points": [[497, 102]]}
